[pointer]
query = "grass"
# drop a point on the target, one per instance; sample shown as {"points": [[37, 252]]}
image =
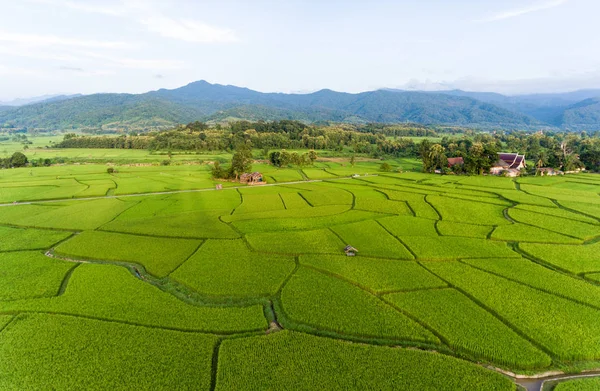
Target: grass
{"points": [[450, 228], [575, 259], [80, 215], [112, 293], [14, 239], [461, 211], [590, 384], [298, 223], [159, 256], [291, 361], [233, 261], [324, 302], [469, 328], [29, 274], [540, 277], [569, 330], [296, 242], [446, 247], [377, 275], [562, 225], [68, 353], [527, 233], [228, 268], [371, 239], [401, 226]]}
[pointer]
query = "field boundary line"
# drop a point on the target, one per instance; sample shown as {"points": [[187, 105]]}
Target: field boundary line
{"points": [[495, 314], [533, 287], [65, 282], [180, 291], [372, 293], [181, 330], [14, 317], [47, 201], [187, 259], [214, 368]]}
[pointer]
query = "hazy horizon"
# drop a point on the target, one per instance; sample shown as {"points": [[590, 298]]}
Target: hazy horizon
{"points": [[510, 47]]}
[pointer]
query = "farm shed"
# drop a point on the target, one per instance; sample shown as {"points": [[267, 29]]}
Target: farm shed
{"points": [[453, 161], [254, 177], [350, 251]]}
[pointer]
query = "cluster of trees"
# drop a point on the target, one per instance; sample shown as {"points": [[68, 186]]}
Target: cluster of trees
{"points": [[562, 151], [565, 151], [284, 158], [72, 140], [479, 154], [18, 159], [286, 134], [241, 162]]}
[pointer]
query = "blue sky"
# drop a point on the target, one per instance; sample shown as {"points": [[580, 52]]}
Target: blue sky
{"points": [[75, 46]]}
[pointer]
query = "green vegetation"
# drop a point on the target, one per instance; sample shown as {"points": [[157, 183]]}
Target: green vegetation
{"points": [[446, 247], [565, 226], [289, 360], [29, 274], [470, 328], [590, 384], [45, 352], [377, 275], [444, 263], [159, 256], [112, 293], [305, 299], [542, 317], [229, 268], [296, 242], [371, 239], [575, 259], [29, 239]]}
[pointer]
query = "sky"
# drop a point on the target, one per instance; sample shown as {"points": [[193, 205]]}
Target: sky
{"points": [[133, 46]]}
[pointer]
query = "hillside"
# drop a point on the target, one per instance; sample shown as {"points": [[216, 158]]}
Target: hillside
{"points": [[559, 109], [582, 115], [214, 102]]}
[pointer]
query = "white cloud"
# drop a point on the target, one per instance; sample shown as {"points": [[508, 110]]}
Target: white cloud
{"points": [[146, 14], [113, 9], [188, 30], [20, 71], [135, 63], [523, 11], [48, 40]]}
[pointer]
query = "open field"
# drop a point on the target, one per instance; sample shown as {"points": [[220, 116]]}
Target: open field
{"points": [[249, 287]]}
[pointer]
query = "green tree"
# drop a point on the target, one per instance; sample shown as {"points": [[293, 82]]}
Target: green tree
{"points": [[352, 161], [385, 167], [241, 161], [312, 156], [18, 159]]}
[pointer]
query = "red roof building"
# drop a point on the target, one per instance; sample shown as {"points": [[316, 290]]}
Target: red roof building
{"points": [[453, 161]]}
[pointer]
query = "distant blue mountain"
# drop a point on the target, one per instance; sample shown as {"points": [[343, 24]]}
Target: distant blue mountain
{"points": [[214, 102]]}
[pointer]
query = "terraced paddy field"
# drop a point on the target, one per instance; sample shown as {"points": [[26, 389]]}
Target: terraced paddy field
{"points": [[151, 279]]}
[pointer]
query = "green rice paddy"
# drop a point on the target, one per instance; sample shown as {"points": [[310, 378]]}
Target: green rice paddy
{"points": [[171, 284]]}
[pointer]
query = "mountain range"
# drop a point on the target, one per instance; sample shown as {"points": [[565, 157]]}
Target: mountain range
{"points": [[579, 110]]}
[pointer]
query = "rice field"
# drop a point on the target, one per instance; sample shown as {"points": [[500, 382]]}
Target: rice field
{"points": [[171, 284]]}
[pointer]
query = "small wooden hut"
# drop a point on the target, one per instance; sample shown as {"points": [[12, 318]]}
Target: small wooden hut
{"points": [[350, 251], [254, 177]]}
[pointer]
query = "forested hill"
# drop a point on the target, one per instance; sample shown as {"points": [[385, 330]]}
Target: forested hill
{"points": [[212, 102], [577, 110]]}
